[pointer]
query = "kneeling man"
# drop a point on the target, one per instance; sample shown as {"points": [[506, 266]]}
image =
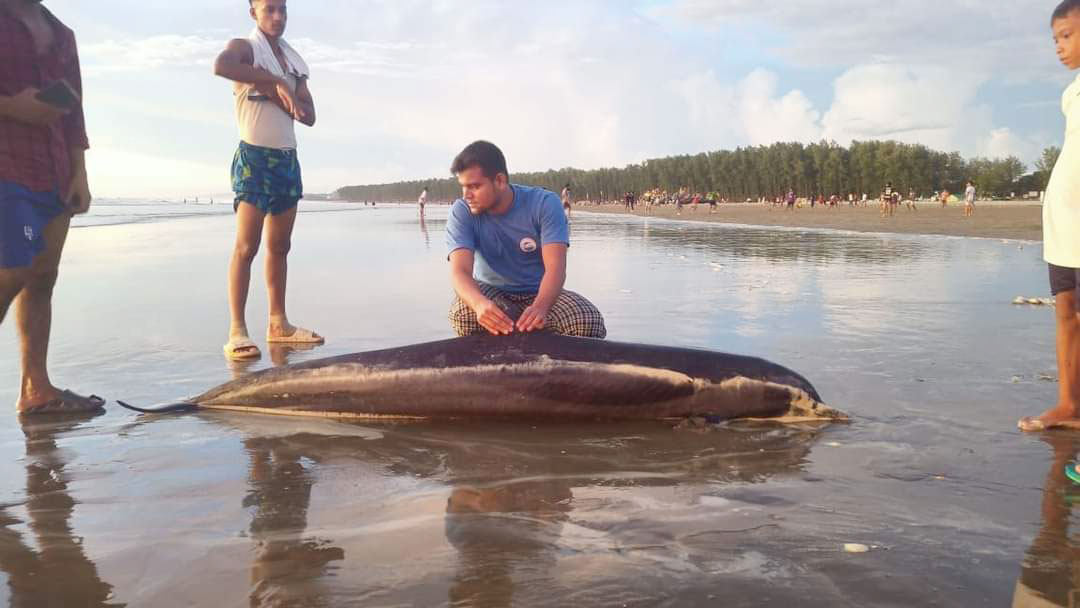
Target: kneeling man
{"points": [[515, 238]]}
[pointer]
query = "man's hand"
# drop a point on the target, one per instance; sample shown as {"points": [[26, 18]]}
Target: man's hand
{"points": [[288, 99], [77, 195], [26, 108], [534, 318], [493, 319]]}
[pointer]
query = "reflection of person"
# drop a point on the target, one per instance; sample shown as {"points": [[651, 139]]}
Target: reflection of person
{"points": [[516, 239], [492, 543], [1048, 576], [271, 92], [57, 571], [1061, 224], [42, 183], [287, 566]]}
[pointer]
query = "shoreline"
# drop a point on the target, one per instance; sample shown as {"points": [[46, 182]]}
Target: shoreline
{"points": [[992, 219]]}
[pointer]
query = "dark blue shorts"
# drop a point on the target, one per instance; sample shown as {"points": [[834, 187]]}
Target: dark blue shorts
{"points": [[23, 217], [267, 178]]}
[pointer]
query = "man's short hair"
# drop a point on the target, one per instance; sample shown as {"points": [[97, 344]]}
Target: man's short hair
{"points": [[1065, 9], [483, 154]]}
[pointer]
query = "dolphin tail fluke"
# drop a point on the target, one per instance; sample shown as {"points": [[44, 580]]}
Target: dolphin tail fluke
{"points": [[175, 408]]}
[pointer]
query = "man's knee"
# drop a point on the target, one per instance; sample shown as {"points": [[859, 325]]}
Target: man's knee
{"points": [[41, 278], [245, 252], [463, 319], [279, 247], [573, 315]]}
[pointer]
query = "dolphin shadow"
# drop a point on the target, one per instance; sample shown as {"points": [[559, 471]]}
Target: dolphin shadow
{"points": [[57, 573], [1050, 575]]}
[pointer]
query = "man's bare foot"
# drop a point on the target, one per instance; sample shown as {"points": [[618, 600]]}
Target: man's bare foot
{"points": [[1061, 417]]}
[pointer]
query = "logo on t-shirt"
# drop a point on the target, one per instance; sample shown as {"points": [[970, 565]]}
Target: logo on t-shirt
{"points": [[29, 232], [528, 245]]}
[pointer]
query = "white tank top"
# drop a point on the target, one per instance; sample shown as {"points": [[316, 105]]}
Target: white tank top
{"points": [[263, 123]]}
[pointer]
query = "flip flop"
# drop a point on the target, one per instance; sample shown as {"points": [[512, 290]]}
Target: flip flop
{"points": [[1031, 425], [241, 349], [1072, 473], [300, 336], [67, 403]]}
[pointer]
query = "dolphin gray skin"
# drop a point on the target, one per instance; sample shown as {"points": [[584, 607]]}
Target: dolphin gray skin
{"points": [[537, 376]]}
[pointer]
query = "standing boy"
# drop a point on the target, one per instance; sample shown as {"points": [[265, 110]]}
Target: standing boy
{"points": [[271, 92], [1061, 233]]}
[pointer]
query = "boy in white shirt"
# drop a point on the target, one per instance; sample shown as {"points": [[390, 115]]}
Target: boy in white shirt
{"points": [[1061, 229]]}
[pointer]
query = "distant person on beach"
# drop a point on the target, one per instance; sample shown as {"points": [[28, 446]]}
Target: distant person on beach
{"points": [[42, 184], [944, 198], [565, 197], [271, 94], [508, 245], [969, 200], [422, 201], [790, 200], [1061, 225], [886, 200]]}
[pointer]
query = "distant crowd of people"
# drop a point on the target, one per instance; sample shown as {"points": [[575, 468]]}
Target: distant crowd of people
{"points": [[889, 200]]}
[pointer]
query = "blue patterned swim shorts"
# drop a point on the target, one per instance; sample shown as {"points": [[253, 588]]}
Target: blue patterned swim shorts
{"points": [[267, 178]]}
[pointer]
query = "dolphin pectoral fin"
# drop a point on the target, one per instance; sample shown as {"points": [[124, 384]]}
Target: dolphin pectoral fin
{"points": [[176, 408]]}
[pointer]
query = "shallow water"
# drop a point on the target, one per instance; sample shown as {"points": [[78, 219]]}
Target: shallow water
{"points": [[915, 337]]}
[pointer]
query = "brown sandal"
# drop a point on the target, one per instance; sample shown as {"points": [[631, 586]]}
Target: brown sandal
{"points": [[67, 403]]}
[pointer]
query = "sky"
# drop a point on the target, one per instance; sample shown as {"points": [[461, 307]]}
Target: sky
{"points": [[401, 86]]}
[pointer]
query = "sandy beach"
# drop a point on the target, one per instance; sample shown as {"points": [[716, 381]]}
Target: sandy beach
{"points": [[915, 337], [1003, 220]]}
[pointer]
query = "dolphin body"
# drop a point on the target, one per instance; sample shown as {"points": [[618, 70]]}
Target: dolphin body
{"points": [[533, 376]]}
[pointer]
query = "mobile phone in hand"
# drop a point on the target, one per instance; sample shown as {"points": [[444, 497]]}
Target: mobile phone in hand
{"points": [[59, 94]]}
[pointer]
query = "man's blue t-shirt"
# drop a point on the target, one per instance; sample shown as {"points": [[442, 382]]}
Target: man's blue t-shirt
{"points": [[507, 247]]}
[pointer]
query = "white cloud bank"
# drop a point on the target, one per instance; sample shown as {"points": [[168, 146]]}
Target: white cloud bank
{"points": [[401, 86]]}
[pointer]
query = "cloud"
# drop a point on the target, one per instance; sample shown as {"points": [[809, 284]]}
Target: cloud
{"points": [[149, 53], [1011, 39], [402, 85]]}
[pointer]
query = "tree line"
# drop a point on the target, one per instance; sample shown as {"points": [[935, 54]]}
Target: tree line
{"points": [[766, 171]]}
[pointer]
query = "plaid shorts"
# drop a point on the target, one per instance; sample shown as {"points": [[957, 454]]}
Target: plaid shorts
{"points": [[570, 315]]}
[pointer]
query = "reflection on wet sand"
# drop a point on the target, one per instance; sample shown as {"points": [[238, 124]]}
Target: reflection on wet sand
{"points": [[1050, 575], [287, 566], [58, 573], [772, 245], [427, 236], [513, 493]]}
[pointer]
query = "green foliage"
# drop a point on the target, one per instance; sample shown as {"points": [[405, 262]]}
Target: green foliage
{"points": [[753, 172]]}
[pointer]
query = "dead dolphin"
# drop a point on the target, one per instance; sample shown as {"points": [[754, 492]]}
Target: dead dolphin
{"points": [[538, 376]]}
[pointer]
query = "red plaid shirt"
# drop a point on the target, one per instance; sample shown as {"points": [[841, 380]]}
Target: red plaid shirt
{"points": [[38, 158]]}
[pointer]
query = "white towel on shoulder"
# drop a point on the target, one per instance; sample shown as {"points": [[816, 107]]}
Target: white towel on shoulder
{"points": [[265, 58]]}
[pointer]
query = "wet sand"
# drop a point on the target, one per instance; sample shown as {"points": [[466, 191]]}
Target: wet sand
{"points": [[915, 337], [1003, 220]]}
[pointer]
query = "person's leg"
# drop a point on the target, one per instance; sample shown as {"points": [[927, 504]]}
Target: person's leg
{"points": [[249, 225], [1067, 410], [33, 316], [279, 230], [12, 281], [463, 319], [573, 315]]}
